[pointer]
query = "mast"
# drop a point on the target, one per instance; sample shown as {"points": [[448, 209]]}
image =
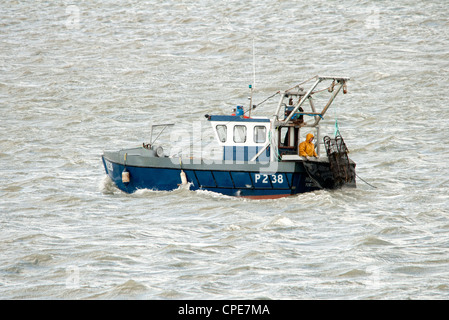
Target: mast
{"points": [[253, 85]]}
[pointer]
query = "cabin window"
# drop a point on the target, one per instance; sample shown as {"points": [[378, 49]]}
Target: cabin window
{"points": [[222, 132], [239, 134], [260, 134]]}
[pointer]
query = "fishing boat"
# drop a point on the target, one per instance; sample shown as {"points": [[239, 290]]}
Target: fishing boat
{"points": [[260, 154]]}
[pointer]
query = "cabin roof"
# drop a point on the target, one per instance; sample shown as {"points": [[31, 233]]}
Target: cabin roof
{"points": [[236, 118]]}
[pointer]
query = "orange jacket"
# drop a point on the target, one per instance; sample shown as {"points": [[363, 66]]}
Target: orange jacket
{"points": [[306, 148]]}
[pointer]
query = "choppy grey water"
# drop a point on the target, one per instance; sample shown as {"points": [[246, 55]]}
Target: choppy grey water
{"points": [[77, 78]]}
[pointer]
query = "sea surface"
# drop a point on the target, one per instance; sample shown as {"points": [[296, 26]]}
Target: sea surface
{"points": [[81, 77]]}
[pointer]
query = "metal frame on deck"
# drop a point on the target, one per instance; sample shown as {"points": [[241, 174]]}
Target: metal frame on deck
{"points": [[340, 82], [337, 84]]}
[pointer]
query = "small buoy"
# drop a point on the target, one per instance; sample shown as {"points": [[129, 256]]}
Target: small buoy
{"points": [[125, 176], [345, 89], [183, 177]]}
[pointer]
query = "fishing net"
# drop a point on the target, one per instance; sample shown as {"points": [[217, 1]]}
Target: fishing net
{"points": [[340, 165]]}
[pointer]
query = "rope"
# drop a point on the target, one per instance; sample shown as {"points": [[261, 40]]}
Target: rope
{"points": [[301, 83], [366, 182], [337, 130], [256, 105], [318, 91]]}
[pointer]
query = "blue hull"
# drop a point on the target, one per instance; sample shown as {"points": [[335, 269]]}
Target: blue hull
{"points": [[250, 184]]}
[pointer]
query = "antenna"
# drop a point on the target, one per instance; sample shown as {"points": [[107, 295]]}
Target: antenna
{"points": [[254, 82], [254, 66]]}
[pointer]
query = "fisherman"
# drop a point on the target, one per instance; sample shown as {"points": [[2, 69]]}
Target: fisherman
{"points": [[307, 148]]}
